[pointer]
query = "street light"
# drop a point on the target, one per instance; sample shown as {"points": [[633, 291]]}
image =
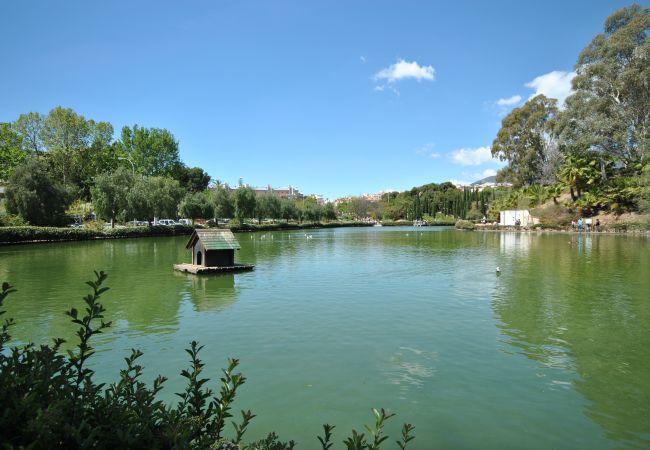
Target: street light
{"points": [[125, 158]]}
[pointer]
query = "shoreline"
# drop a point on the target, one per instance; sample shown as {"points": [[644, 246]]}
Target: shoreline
{"points": [[27, 235]]}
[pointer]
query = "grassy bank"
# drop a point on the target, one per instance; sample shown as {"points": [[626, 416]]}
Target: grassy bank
{"points": [[29, 234]]}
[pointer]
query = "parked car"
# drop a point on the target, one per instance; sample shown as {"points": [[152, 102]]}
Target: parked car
{"points": [[184, 222], [166, 222]]}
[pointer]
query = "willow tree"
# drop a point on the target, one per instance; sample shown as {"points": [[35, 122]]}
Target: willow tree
{"points": [[525, 141]]}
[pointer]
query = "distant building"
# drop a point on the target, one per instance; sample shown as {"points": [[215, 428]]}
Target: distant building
{"points": [[288, 192]]}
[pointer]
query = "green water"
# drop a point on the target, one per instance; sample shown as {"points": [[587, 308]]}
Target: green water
{"points": [[553, 353]]}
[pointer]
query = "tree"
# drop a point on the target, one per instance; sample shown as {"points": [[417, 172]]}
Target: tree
{"points": [[196, 205], [192, 179], [110, 194], [165, 194], [525, 141], [245, 203], [267, 206], [288, 210], [224, 207], [35, 195], [30, 128], [11, 153], [65, 134], [154, 151], [329, 213], [608, 114]]}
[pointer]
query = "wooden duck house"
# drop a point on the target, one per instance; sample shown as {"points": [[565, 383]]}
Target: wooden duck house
{"points": [[213, 250]]}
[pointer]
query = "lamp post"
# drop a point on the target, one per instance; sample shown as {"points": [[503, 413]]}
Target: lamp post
{"points": [[126, 158]]}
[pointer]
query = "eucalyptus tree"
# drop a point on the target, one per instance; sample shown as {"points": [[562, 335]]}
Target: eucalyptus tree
{"points": [[608, 113], [526, 142]]}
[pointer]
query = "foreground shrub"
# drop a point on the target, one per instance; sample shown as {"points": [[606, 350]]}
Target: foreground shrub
{"points": [[50, 400]]}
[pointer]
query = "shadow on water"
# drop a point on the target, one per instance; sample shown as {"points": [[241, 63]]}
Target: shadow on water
{"points": [[580, 304]]}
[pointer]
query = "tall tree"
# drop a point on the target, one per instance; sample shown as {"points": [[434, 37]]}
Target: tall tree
{"points": [[245, 203], [224, 206], [525, 141], [153, 150], [196, 205], [30, 128], [11, 153], [35, 195], [109, 194], [608, 113], [193, 179], [267, 206]]}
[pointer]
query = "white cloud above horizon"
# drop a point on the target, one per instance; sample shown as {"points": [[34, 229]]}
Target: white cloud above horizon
{"points": [[509, 101], [555, 84], [472, 156], [403, 70]]}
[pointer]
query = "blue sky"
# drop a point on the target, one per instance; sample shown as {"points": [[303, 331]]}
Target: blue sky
{"points": [[333, 97]]}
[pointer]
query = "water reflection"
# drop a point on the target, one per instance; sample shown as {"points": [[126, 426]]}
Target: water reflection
{"points": [[210, 292], [577, 306]]}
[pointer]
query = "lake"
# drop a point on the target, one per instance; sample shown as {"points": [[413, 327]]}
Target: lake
{"points": [[552, 353]]}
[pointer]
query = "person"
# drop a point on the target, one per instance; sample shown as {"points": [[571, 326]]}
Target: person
{"points": [[597, 225], [573, 225], [580, 224]]}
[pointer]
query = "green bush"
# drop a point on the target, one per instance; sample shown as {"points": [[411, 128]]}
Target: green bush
{"points": [[50, 400], [465, 225], [14, 235]]}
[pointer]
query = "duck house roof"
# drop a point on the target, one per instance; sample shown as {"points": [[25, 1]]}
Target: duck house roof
{"points": [[214, 239]]}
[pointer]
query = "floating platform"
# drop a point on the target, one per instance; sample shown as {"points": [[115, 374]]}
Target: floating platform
{"points": [[192, 268]]}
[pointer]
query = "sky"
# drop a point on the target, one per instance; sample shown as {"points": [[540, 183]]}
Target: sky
{"points": [[334, 98]]}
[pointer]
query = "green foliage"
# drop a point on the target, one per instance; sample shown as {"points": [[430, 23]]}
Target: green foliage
{"points": [[223, 203], [110, 194], [524, 141], [196, 205], [21, 234], [11, 153], [50, 400], [153, 150], [608, 113], [192, 179], [33, 194], [267, 206], [465, 225], [245, 202]]}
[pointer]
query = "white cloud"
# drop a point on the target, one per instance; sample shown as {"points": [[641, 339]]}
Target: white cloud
{"points": [[402, 70], [509, 101], [556, 84], [471, 156], [434, 155], [363, 59]]}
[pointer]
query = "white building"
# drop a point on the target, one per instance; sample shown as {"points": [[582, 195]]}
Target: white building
{"points": [[513, 217]]}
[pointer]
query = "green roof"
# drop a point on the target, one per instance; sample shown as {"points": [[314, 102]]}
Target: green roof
{"points": [[214, 239]]}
